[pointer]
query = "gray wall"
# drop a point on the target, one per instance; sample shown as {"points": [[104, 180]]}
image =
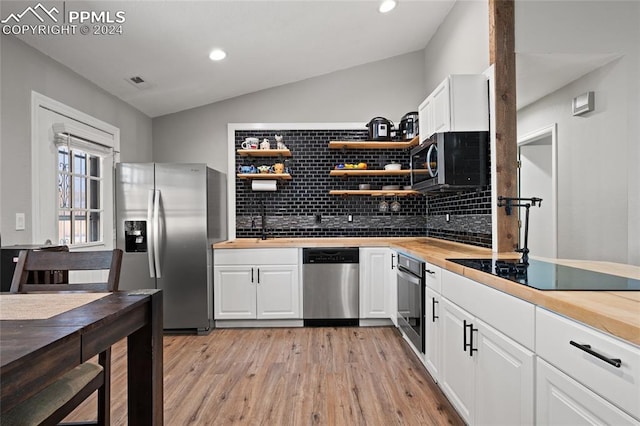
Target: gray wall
{"points": [[22, 70], [460, 46], [599, 152], [388, 88]]}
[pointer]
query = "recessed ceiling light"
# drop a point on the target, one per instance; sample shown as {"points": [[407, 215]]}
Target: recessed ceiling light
{"points": [[217, 55], [387, 6]]}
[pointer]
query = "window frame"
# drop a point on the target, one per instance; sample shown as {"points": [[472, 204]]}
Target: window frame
{"points": [[73, 153]]}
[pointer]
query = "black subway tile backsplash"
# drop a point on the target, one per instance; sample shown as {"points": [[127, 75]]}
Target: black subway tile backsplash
{"points": [[292, 210]]}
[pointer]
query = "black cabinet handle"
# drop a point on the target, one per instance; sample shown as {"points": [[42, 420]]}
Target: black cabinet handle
{"points": [[434, 302], [464, 336], [469, 345], [392, 257], [429, 271], [258, 275], [251, 275], [616, 362]]}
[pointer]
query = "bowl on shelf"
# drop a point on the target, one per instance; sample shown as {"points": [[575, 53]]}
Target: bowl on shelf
{"points": [[364, 186], [391, 187], [407, 188], [393, 166]]}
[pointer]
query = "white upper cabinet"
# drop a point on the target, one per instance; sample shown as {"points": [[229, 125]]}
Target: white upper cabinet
{"points": [[459, 104]]}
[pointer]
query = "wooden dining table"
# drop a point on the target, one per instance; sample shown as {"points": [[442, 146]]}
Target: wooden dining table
{"points": [[35, 351]]}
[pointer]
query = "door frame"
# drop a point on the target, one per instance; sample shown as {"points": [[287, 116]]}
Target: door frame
{"points": [[533, 136]]}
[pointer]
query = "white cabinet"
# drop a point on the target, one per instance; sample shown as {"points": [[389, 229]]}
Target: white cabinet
{"points": [[459, 104], [375, 282], [607, 370], [234, 292], [486, 374], [432, 340], [265, 290], [432, 322], [458, 369], [560, 400], [393, 288]]}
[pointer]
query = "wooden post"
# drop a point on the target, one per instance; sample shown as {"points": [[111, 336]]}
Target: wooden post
{"points": [[502, 56]]}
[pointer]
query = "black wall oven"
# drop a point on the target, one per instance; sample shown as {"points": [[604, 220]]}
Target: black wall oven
{"points": [[451, 161], [411, 284]]}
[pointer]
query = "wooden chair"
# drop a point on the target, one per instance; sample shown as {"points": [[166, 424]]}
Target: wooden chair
{"points": [[54, 403], [31, 262]]}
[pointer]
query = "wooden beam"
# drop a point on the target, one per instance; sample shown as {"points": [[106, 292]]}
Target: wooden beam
{"points": [[502, 56]]}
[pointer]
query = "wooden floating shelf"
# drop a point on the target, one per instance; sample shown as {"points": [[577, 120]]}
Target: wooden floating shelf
{"points": [[376, 193], [283, 176], [264, 153], [374, 144], [360, 172]]}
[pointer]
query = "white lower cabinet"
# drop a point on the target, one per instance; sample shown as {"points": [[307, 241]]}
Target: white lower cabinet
{"points": [[488, 377], [600, 376], [432, 341], [375, 282], [234, 293], [256, 291], [560, 400]]}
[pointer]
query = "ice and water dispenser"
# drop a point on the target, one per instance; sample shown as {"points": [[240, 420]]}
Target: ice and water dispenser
{"points": [[135, 236]]}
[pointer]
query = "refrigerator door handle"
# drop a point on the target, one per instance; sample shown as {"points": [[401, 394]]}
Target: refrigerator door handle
{"points": [[150, 234], [156, 233]]}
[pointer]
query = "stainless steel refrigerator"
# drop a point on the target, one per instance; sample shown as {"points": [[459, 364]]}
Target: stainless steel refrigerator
{"points": [[167, 218]]}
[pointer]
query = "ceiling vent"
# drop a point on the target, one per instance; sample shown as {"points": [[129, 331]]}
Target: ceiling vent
{"points": [[138, 82]]}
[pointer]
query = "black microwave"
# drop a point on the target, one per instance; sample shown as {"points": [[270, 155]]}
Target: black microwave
{"points": [[451, 162]]}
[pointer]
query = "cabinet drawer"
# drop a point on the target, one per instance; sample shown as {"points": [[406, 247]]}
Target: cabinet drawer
{"points": [[620, 386], [510, 315], [561, 400], [433, 277], [271, 256]]}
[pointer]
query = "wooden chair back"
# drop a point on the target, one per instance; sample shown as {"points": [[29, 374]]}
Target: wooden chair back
{"points": [[30, 261]]}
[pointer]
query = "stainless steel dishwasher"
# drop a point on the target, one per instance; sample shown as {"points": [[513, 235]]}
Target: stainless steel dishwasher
{"points": [[331, 280]]}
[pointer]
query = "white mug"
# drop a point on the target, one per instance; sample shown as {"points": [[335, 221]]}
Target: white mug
{"points": [[249, 145]]}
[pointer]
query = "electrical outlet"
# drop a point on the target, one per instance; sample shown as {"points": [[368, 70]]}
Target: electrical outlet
{"points": [[20, 222], [447, 217], [350, 218]]}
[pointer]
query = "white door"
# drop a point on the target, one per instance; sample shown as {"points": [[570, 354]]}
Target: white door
{"points": [[441, 108], [432, 343], [374, 282], [234, 293], [560, 400], [504, 379], [457, 373], [393, 286], [278, 292], [537, 179]]}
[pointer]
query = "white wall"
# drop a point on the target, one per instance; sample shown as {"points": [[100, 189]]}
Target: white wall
{"points": [[598, 153], [23, 69], [388, 88], [461, 44]]}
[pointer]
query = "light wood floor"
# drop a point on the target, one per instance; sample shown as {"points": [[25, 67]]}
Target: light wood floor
{"points": [[289, 376]]}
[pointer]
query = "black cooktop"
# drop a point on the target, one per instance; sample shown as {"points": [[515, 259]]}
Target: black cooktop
{"points": [[550, 276]]}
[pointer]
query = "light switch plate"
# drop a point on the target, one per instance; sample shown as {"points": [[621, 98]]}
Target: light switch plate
{"points": [[20, 221]]}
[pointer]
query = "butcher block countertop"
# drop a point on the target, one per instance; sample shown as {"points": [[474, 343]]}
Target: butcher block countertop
{"points": [[615, 312]]}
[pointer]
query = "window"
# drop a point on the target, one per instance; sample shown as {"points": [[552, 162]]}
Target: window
{"points": [[79, 202]]}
